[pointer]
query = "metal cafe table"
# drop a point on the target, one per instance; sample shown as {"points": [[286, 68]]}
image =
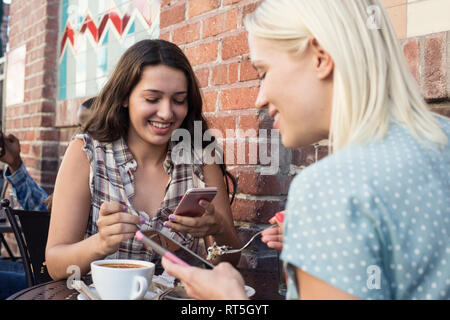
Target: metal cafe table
{"points": [[265, 284]]}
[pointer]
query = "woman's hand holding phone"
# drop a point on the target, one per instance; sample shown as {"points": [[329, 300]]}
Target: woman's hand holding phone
{"points": [[208, 224]]}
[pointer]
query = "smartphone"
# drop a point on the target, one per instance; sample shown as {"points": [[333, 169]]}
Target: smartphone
{"points": [[189, 206]]}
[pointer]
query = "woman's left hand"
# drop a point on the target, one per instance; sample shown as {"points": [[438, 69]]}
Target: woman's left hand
{"points": [[209, 224], [222, 283]]}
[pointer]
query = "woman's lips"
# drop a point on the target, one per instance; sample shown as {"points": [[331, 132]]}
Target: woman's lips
{"points": [[160, 128], [273, 113], [276, 123]]}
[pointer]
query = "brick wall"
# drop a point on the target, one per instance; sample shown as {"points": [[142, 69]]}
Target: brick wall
{"points": [[34, 24], [213, 37], [4, 27], [212, 34]]}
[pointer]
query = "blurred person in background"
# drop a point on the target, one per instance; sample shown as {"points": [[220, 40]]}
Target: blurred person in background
{"points": [[30, 196]]}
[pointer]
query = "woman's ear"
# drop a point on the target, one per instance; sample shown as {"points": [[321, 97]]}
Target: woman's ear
{"points": [[323, 62]]}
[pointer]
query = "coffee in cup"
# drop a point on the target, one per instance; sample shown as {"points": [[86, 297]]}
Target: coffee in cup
{"points": [[122, 265], [122, 279]]}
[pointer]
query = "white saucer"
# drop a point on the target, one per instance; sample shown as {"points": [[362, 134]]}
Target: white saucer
{"points": [[148, 296], [249, 291]]}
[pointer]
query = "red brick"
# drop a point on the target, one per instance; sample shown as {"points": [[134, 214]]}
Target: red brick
{"points": [[307, 155], [256, 122], [48, 135], [48, 178], [251, 182], [249, 8], [233, 72], [164, 35], [46, 106], [49, 165], [52, 9], [49, 92], [241, 98], [172, 15], [25, 147], [47, 121], [221, 123], [227, 2], [209, 101], [247, 71], [203, 77], [186, 34], [36, 150], [197, 7], [50, 151], [233, 46], [220, 75], [435, 82], [258, 211], [28, 136], [202, 53], [411, 49], [221, 23]]}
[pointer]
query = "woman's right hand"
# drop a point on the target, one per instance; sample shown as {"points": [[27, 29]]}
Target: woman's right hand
{"points": [[273, 237], [114, 226]]}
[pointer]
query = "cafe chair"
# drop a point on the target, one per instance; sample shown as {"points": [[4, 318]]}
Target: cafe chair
{"points": [[30, 229]]}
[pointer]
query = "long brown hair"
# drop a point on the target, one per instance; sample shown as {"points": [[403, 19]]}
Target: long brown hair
{"points": [[109, 120]]}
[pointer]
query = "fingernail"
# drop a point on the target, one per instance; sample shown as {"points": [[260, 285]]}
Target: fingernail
{"points": [[202, 202], [125, 208], [273, 220], [171, 217], [142, 220], [166, 224], [280, 217]]}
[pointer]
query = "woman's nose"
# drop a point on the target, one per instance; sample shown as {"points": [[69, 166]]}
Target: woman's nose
{"points": [[165, 112], [261, 100]]}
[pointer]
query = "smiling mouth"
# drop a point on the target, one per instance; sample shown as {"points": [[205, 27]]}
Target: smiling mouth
{"points": [[160, 125]]}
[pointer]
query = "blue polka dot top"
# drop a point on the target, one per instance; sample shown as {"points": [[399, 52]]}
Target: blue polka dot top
{"points": [[374, 220]]}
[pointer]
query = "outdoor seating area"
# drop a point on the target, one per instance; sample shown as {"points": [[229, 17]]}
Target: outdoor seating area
{"points": [[223, 150]]}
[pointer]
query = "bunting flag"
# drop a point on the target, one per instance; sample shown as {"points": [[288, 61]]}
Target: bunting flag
{"points": [[141, 9], [92, 37]]}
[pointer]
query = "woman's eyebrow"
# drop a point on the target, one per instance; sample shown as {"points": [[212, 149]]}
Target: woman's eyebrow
{"points": [[162, 92], [154, 91]]}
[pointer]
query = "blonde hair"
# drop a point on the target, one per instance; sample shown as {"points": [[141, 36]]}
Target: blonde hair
{"points": [[372, 82]]}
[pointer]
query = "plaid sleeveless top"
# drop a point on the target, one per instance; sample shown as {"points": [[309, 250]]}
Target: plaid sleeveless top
{"points": [[111, 179]]}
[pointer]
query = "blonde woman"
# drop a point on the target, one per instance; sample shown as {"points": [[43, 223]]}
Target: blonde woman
{"points": [[370, 221]]}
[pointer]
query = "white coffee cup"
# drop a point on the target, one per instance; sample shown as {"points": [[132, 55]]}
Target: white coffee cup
{"points": [[114, 279]]}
